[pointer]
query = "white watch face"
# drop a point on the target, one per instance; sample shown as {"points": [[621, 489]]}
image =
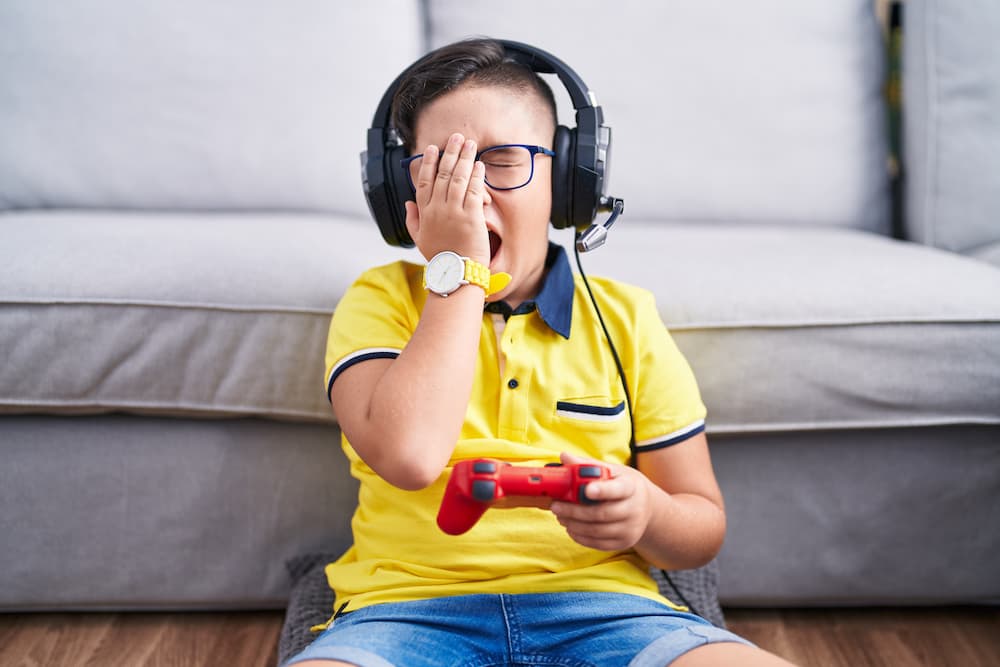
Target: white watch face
{"points": [[444, 273]]}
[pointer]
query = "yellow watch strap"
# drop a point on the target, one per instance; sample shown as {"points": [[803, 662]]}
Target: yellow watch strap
{"points": [[479, 274], [498, 281]]}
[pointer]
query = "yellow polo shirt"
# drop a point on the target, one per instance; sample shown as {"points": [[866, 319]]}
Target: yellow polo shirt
{"points": [[545, 383]]}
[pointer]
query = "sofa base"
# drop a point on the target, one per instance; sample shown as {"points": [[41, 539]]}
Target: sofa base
{"points": [[867, 517], [121, 512]]}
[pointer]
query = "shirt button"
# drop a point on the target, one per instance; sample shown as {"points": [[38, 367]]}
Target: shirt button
{"points": [[512, 383]]}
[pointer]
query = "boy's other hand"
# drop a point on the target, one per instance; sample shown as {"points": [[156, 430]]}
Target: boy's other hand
{"points": [[450, 195], [621, 514]]}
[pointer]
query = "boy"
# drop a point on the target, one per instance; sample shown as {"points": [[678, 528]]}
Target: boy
{"points": [[421, 376]]}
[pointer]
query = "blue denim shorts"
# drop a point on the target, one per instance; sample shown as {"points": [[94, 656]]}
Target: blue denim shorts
{"points": [[565, 629]]}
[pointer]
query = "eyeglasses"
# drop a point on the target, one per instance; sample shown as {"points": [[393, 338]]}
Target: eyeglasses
{"points": [[508, 166]]}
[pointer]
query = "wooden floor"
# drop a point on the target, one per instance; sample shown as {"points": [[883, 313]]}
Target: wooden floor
{"points": [[964, 637], [876, 637]]}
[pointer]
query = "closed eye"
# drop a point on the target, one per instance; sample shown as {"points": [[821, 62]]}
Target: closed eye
{"points": [[506, 156]]}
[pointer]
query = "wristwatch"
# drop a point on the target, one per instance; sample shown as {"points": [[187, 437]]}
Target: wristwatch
{"points": [[447, 271]]}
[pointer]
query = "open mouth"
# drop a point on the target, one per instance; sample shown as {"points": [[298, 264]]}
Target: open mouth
{"points": [[494, 244]]}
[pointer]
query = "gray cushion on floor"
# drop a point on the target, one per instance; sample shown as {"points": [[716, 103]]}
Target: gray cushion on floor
{"points": [[311, 599]]}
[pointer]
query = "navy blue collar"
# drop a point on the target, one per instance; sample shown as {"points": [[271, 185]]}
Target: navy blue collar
{"points": [[554, 302]]}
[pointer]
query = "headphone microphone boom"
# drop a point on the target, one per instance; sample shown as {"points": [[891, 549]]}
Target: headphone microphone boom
{"points": [[596, 235], [579, 171]]}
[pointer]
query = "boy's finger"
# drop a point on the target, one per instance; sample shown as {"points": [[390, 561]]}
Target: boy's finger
{"points": [[425, 177], [591, 517], [446, 166], [462, 173], [568, 459], [610, 489], [474, 195]]}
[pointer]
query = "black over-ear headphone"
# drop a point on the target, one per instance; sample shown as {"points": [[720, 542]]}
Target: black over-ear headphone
{"points": [[579, 170]]}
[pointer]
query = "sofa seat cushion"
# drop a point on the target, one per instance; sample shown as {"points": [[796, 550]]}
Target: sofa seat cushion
{"points": [[791, 328], [787, 328], [192, 315]]}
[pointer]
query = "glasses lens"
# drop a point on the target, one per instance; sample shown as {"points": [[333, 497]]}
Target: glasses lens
{"points": [[507, 167]]}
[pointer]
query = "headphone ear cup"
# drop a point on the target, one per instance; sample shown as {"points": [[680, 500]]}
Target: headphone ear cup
{"points": [[386, 189], [564, 145], [399, 193]]}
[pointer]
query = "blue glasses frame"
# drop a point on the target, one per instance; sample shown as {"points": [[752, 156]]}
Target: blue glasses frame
{"points": [[534, 150]]}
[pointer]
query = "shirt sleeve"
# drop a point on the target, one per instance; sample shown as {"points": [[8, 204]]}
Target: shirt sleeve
{"points": [[373, 320], [667, 403]]}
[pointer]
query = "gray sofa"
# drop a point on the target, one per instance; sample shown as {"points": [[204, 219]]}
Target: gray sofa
{"points": [[180, 210]]}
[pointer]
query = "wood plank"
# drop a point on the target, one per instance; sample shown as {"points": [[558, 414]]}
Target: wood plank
{"points": [[963, 636], [140, 639]]}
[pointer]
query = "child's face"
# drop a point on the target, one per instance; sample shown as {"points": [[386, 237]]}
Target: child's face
{"points": [[517, 220]]}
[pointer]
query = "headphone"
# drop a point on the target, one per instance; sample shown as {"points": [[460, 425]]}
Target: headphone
{"points": [[579, 170]]}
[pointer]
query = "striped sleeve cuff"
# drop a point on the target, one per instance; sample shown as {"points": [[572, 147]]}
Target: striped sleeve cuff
{"points": [[669, 439], [355, 358]]}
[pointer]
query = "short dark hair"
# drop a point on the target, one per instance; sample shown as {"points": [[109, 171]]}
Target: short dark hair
{"points": [[480, 61]]}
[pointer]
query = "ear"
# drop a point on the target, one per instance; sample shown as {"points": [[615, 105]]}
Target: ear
{"points": [[412, 219]]}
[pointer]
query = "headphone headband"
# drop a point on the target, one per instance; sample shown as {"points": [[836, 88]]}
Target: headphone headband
{"points": [[544, 62], [580, 164]]}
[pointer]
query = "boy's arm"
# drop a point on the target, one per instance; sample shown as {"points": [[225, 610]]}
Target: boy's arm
{"points": [[670, 510], [688, 518], [404, 416]]}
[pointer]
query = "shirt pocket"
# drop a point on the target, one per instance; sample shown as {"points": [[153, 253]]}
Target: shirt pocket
{"points": [[595, 426]]}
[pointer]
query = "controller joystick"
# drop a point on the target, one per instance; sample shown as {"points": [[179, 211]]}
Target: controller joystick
{"points": [[477, 483]]}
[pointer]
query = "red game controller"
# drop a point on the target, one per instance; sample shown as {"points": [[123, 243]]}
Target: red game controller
{"points": [[475, 484]]}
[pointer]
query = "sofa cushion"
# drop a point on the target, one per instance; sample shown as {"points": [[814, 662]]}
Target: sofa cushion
{"points": [[787, 328], [989, 252], [179, 314], [811, 329], [194, 105], [762, 111], [951, 93]]}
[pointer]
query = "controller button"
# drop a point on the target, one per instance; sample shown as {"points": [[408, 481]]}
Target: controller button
{"points": [[582, 496], [484, 467], [483, 490], [590, 471], [553, 465]]}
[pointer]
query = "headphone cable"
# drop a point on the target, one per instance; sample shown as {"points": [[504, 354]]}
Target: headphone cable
{"points": [[633, 452]]}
